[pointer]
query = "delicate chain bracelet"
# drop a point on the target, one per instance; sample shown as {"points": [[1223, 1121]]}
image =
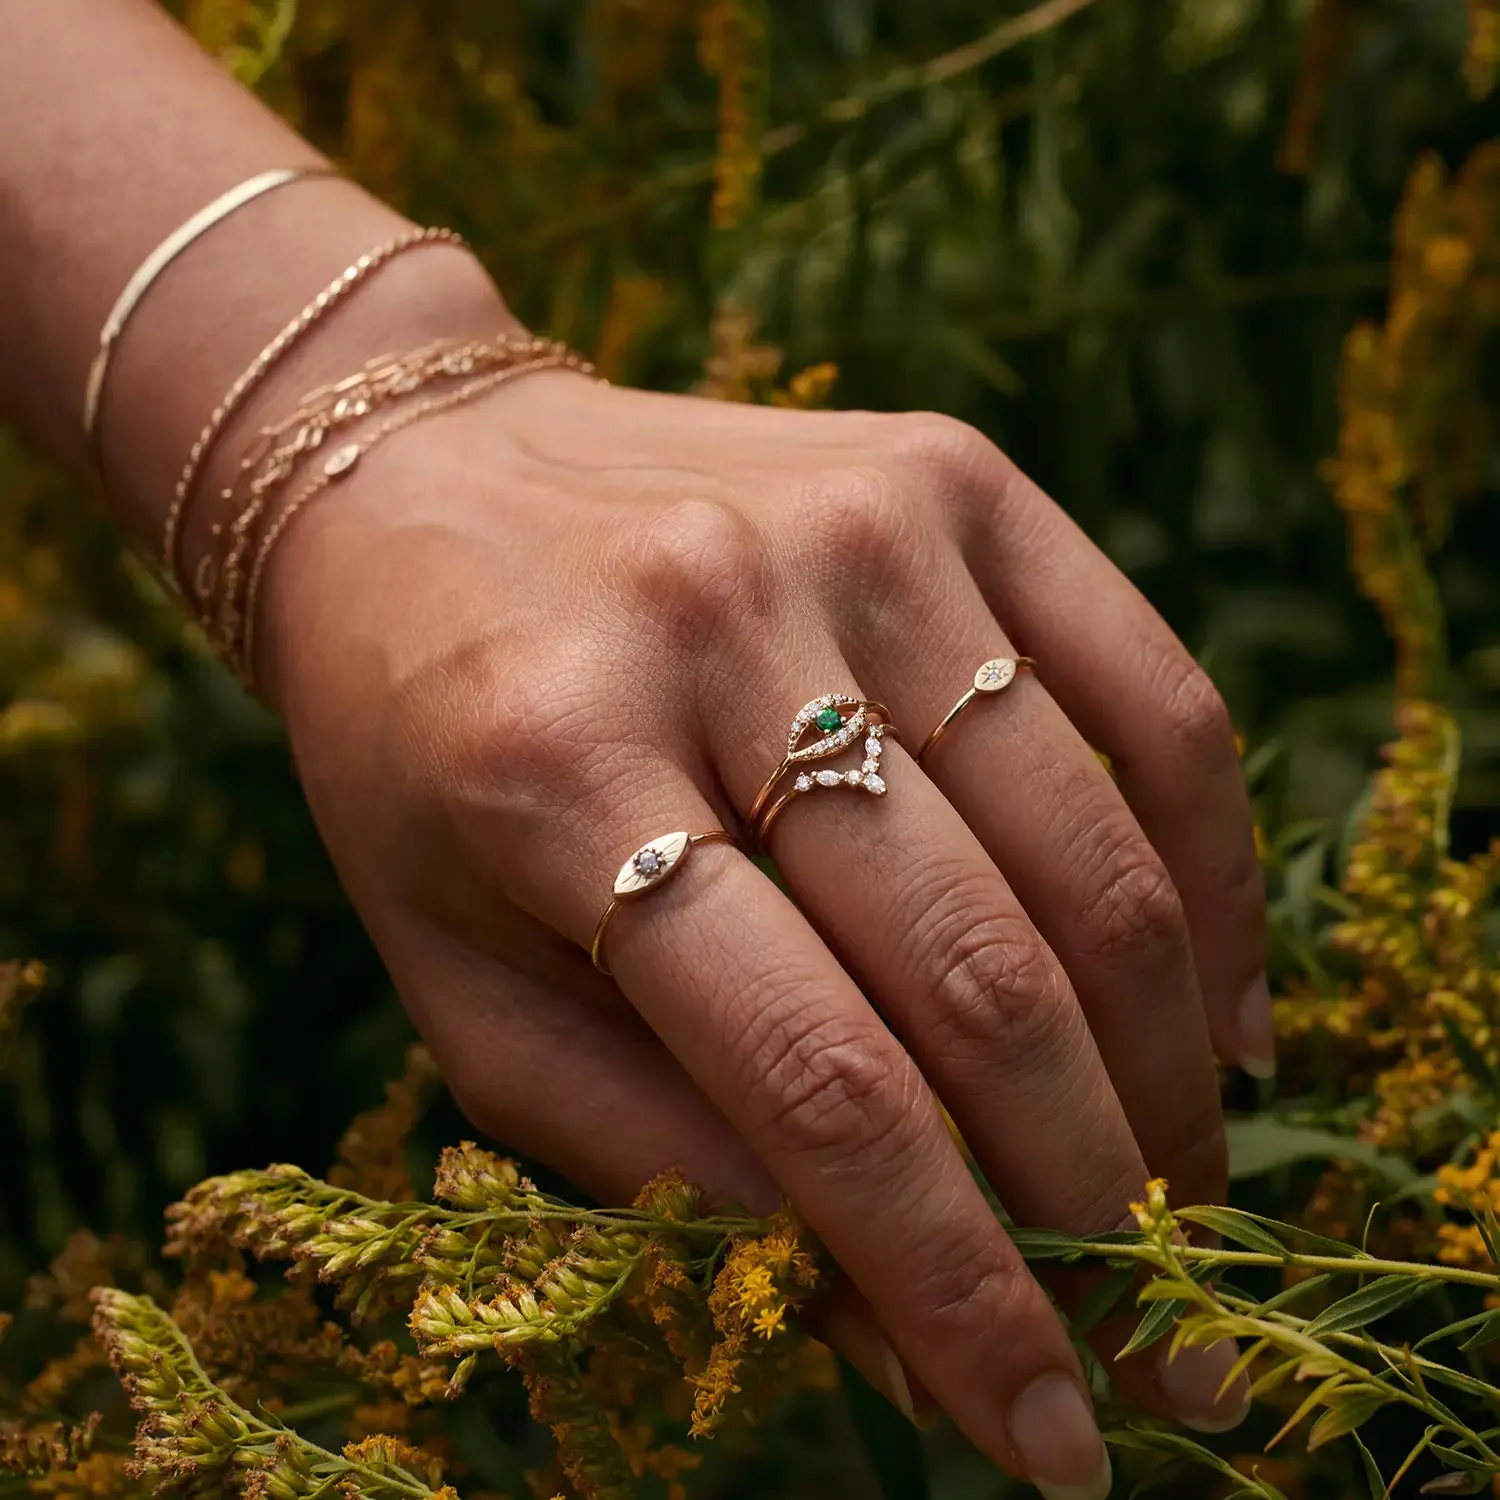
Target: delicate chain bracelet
{"points": [[335, 292], [239, 647], [272, 456], [150, 270]]}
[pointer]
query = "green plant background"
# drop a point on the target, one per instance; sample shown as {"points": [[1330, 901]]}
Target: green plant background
{"points": [[1087, 245]]}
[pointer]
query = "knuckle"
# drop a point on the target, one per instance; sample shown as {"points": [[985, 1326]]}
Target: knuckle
{"points": [[703, 560], [972, 1285], [949, 454], [1136, 909], [998, 992], [834, 1094], [534, 733], [1198, 718], [863, 514]]}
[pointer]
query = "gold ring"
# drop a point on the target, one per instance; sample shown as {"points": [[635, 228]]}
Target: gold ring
{"points": [[647, 868], [993, 677], [838, 721]]}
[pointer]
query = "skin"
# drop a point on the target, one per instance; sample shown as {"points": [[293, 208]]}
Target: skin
{"points": [[526, 637]]}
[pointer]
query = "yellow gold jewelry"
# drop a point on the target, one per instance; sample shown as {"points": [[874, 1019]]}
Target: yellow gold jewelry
{"points": [[159, 259], [238, 632], [993, 677], [838, 720], [273, 458], [650, 866], [336, 290]]}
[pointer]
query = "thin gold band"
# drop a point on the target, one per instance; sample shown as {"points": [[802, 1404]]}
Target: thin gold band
{"points": [[883, 729], [1017, 663], [650, 866], [159, 259]]}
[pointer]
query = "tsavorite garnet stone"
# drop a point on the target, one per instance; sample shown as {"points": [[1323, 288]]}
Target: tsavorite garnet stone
{"points": [[829, 720]]}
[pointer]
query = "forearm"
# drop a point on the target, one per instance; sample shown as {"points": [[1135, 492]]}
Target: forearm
{"points": [[116, 130]]}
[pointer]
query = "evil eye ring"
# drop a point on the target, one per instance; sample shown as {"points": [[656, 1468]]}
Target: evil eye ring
{"points": [[650, 866], [838, 721]]}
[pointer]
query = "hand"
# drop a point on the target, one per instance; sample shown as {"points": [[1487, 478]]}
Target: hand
{"points": [[533, 634]]}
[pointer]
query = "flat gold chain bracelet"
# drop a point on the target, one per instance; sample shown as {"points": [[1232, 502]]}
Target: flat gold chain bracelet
{"points": [[335, 292]]}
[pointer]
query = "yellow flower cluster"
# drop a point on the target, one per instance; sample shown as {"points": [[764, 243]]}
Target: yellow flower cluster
{"points": [[19, 984], [1422, 1007], [1482, 60], [740, 368], [1474, 1190], [761, 1281], [1414, 423], [732, 41]]}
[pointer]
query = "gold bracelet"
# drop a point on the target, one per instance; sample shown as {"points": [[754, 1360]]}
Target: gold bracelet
{"points": [[273, 457], [159, 259], [240, 648], [338, 289]]}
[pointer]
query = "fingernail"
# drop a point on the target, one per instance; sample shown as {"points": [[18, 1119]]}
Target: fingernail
{"points": [[1257, 1034], [1192, 1384], [1057, 1440], [869, 1353]]}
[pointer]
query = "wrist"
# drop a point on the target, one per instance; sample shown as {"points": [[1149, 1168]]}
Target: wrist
{"points": [[229, 297]]}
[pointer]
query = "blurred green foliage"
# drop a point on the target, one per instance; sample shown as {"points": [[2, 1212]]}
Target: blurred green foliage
{"points": [[1128, 247]]}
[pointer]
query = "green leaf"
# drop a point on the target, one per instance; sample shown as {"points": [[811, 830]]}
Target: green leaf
{"points": [[1348, 1410], [1378, 1487], [1293, 1293], [1156, 1324], [1319, 1242], [1231, 1224], [1487, 1332], [1469, 1055], [1048, 1244], [1369, 1303], [1175, 1445], [1456, 1484], [1456, 1458], [1303, 875], [1260, 1143]]}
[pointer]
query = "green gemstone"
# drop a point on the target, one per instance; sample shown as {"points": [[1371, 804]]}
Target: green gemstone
{"points": [[829, 719]]}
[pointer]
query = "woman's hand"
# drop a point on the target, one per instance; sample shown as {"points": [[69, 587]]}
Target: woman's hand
{"points": [[531, 635]]}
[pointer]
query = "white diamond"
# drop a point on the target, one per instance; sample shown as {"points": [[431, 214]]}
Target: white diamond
{"points": [[829, 778], [342, 460], [870, 767], [804, 783], [648, 862], [994, 675], [875, 784], [872, 746], [852, 777]]}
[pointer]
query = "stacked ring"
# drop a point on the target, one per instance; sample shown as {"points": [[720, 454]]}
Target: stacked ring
{"points": [[838, 720], [650, 866], [993, 677]]}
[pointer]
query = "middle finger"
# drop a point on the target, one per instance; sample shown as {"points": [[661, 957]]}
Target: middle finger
{"points": [[907, 897]]}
